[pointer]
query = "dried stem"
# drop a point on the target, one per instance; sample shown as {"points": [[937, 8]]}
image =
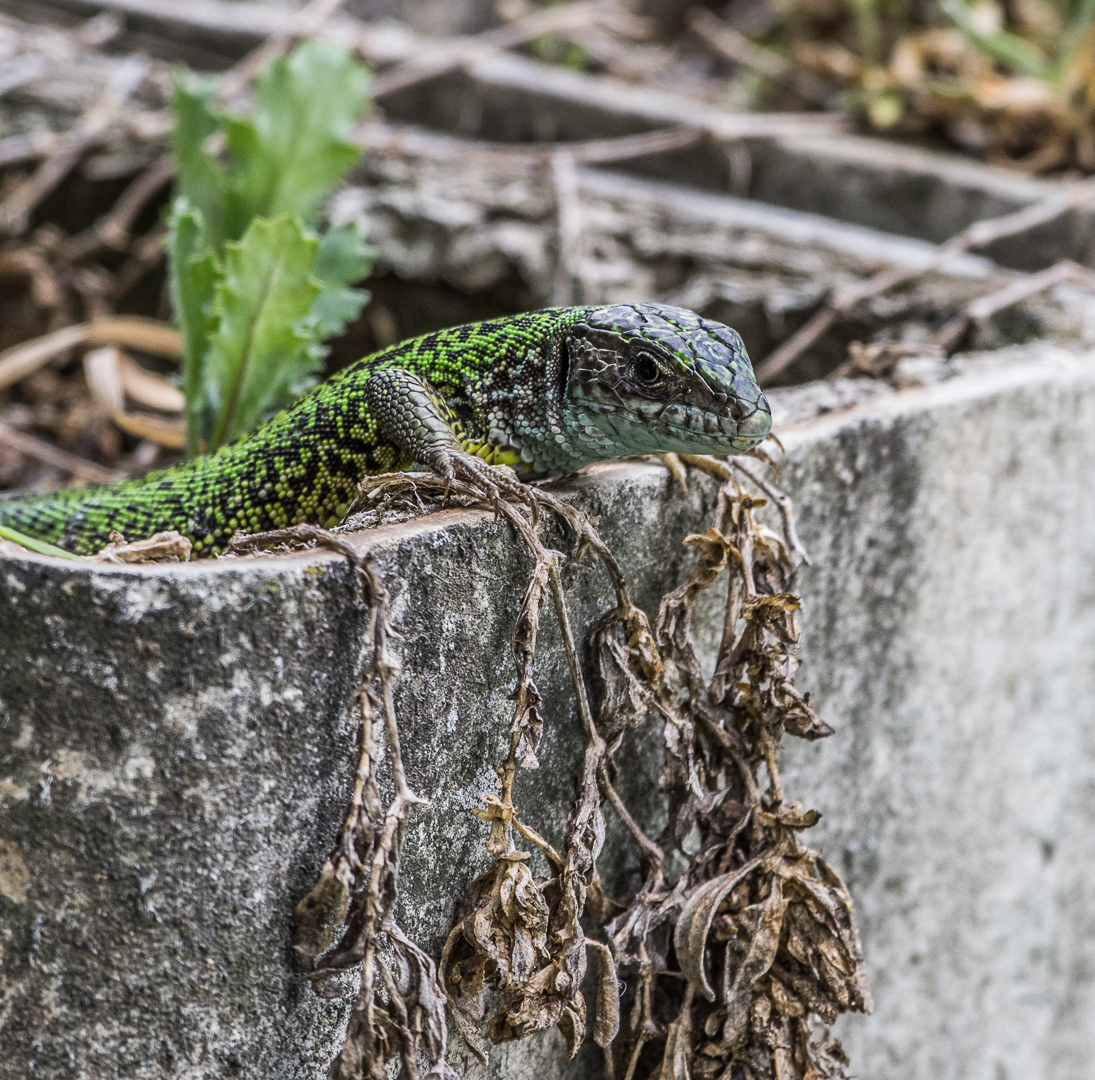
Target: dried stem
{"points": [[359, 881], [48, 454], [977, 235], [450, 55], [112, 231], [647, 846], [16, 209], [584, 713], [724, 40], [784, 505]]}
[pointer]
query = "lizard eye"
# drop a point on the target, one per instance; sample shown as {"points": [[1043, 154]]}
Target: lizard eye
{"points": [[646, 370]]}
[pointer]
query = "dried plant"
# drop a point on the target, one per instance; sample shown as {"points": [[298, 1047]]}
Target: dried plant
{"points": [[762, 927], [1015, 82], [729, 962], [399, 1014]]}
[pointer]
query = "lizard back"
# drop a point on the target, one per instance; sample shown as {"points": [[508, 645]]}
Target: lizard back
{"points": [[304, 464]]}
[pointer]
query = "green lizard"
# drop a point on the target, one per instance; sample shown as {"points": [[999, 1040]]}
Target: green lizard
{"points": [[546, 393]]}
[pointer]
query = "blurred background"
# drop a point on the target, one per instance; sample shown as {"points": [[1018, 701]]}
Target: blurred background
{"points": [[753, 160]]}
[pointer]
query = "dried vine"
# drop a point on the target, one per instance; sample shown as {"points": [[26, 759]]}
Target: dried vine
{"points": [[399, 1014], [728, 963], [762, 927]]}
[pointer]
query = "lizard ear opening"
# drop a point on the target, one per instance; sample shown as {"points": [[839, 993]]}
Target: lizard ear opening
{"points": [[562, 375]]}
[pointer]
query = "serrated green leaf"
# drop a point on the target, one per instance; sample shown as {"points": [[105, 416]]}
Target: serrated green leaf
{"points": [[258, 349], [200, 178], [335, 309], [253, 326], [289, 154], [344, 258], [193, 273]]}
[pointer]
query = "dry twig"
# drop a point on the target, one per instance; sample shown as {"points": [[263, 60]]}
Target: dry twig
{"points": [[1024, 287], [48, 454], [112, 231], [389, 138], [16, 209], [730, 43], [453, 54], [16, 149], [977, 235]]}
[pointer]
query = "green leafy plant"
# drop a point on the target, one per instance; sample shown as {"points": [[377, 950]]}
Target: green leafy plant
{"points": [[256, 288]]}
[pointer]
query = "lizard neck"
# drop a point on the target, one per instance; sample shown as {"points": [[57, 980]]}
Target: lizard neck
{"points": [[505, 381]]}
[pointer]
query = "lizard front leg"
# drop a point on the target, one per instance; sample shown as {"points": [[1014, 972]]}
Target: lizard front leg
{"points": [[415, 418]]}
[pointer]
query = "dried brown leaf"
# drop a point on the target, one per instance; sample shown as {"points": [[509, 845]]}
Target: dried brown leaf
{"points": [[573, 1031], [606, 1024], [694, 925], [764, 923], [320, 912], [417, 985], [791, 817], [167, 433], [628, 667], [146, 388], [510, 929]]}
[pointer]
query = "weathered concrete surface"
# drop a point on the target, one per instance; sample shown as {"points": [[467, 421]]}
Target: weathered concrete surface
{"points": [[175, 755], [950, 637]]}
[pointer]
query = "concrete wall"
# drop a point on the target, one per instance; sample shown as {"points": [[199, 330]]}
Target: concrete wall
{"points": [[175, 754], [950, 637]]}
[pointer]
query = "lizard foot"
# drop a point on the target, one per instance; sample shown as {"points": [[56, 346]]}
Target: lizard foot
{"points": [[492, 482]]}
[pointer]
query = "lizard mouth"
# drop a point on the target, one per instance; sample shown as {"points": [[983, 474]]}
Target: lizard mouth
{"points": [[682, 429]]}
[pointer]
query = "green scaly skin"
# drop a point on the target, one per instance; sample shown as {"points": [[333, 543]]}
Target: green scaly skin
{"points": [[545, 393]]}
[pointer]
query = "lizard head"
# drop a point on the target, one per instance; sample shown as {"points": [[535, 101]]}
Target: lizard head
{"points": [[656, 379]]}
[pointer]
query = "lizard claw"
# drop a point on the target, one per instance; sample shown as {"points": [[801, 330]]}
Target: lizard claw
{"points": [[490, 482]]}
